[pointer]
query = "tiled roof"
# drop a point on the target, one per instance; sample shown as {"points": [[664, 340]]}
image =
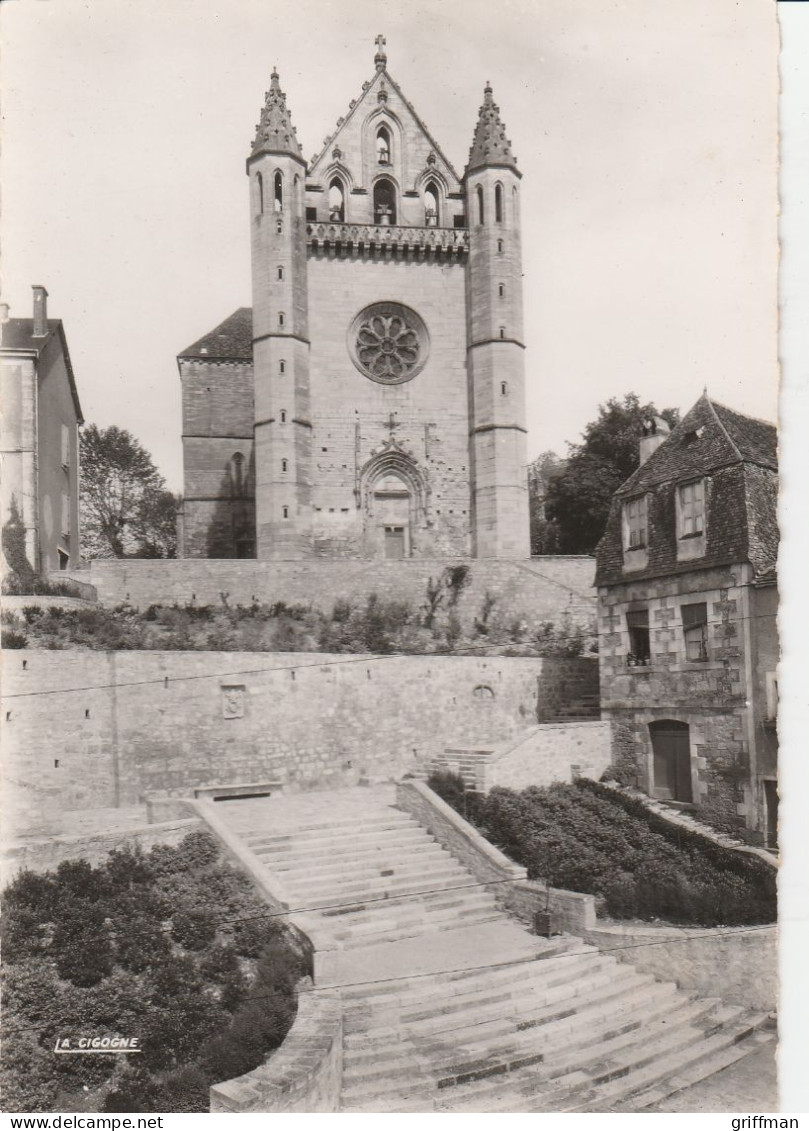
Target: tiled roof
{"points": [[708, 437], [756, 440], [737, 455], [231, 339], [18, 334]]}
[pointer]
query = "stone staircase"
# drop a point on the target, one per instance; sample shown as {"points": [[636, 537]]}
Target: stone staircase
{"points": [[451, 1005]]}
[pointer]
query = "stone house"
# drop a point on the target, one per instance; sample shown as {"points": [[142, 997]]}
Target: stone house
{"points": [[41, 415], [687, 598], [371, 402]]}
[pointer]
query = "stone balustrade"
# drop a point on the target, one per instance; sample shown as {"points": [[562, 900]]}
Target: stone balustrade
{"points": [[376, 237]]}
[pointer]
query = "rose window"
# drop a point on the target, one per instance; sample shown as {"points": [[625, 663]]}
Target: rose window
{"points": [[388, 343]]}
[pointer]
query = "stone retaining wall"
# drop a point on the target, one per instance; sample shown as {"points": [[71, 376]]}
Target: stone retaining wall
{"points": [[738, 964], [535, 591], [95, 730], [44, 855], [304, 1075]]}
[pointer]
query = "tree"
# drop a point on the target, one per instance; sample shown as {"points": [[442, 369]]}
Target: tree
{"points": [[544, 531], [126, 510], [578, 500]]}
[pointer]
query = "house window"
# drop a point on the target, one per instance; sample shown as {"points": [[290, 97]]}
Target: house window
{"points": [[282, 366], [635, 524], [280, 273], [286, 512], [499, 247], [479, 195], [260, 186], [498, 203], [65, 447], [280, 321], [502, 331], [284, 465], [283, 416], [503, 388], [501, 290], [771, 685], [637, 622], [278, 185], [692, 509], [65, 514], [695, 632]]}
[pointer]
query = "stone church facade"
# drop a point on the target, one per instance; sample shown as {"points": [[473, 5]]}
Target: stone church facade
{"points": [[372, 402]]}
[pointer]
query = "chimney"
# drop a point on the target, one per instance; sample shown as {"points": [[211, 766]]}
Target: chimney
{"points": [[655, 431], [40, 311]]}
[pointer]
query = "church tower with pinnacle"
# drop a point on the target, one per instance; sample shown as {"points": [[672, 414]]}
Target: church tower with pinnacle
{"points": [[372, 402]]}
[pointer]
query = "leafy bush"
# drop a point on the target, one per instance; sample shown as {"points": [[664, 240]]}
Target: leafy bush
{"points": [[92, 950], [11, 639], [193, 929], [586, 837]]}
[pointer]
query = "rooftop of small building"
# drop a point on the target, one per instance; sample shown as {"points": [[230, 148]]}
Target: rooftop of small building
{"points": [[710, 435], [231, 340], [18, 336]]}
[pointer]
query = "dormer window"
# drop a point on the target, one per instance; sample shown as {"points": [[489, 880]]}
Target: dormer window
{"points": [[383, 148], [692, 509], [635, 524]]}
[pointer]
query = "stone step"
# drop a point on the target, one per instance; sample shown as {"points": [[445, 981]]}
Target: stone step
{"points": [[500, 1009], [673, 1059], [535, 985], [486, 1055], [536, 1088], [423, 929], [300, 856], [549, 955], [703, 1068], [360, 913], [382, 887], [420, 918], [423, 862], [361, 825]]}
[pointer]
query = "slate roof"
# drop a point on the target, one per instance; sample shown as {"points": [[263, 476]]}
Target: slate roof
{"points": [[18, 335], [708, 437], [738, 456], [231, 339]]}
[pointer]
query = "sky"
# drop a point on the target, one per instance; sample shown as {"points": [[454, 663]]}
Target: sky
{"points": [[646, 134]]}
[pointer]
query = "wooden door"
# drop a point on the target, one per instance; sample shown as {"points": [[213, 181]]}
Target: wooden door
{"points": [[671, 748]]}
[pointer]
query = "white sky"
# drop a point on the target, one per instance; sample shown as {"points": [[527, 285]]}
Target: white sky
{"points": [[645, 132]]}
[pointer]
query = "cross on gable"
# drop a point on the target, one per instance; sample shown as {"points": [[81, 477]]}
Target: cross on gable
{"points": [[380, 42]]}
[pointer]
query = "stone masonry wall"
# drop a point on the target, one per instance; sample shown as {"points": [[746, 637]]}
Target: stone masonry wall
{"points": [[711, 696], [104, 729], [556, 752], [536, 591]]}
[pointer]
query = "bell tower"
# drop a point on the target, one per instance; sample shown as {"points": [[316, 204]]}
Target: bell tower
{"points": [[283, 428], [495, 342]]}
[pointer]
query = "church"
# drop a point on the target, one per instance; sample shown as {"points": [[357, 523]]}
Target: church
{"points": [[371, 404]]}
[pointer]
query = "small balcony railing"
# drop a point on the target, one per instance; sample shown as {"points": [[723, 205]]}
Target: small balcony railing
{"points": [[633, 661]]}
